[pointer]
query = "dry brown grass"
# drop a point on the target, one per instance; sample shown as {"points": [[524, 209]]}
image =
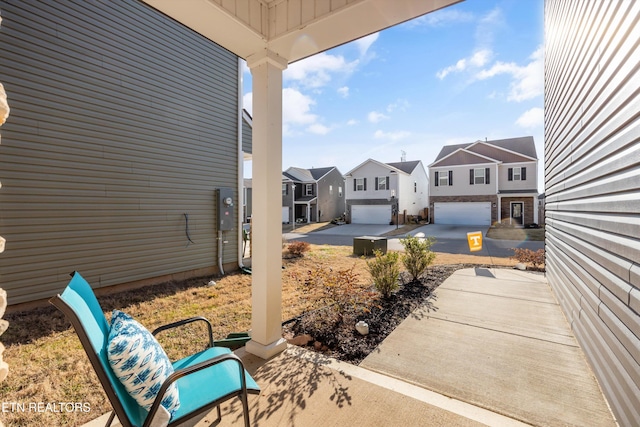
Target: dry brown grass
{"points": [[514, 233], [47, 363]]}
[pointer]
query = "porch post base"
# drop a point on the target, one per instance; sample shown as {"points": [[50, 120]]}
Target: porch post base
{"points": [[266, 351]]}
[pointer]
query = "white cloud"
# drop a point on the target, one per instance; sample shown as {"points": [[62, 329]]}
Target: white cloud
{"points": [[319, 129], [352, 122], [315, 71], [487, 27], [296, 108], [461, 65], [531, 118], [343, 91], [527, 81], [478, 59], [375, 117], [400, 105], [363, 44], [393, 136]]}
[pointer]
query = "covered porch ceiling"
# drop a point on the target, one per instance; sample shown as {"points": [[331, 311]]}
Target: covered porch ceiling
{"points": [[292, 29]]}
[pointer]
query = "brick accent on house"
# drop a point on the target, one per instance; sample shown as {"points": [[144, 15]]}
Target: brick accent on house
{"points": [[447, 199], [529, 205]]}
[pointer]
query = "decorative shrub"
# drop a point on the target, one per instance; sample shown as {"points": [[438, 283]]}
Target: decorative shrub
{"points": [[385, 272], [340, 290], [527, 256], [297, 249], [417, 255]]}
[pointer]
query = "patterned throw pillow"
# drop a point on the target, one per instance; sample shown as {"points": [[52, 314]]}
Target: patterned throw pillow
{"points": [[139, 362]]}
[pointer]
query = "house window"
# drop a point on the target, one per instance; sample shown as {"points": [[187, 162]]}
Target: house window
{"points": [[479, 176], [284, 189], [360, 184], [517, 174], [443, 179], [415, 187], [381, 183], [308, 190], [339, 191], [331, 190]]}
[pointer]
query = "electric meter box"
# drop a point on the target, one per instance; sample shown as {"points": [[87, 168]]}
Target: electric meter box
{"points": [[226, 208]]}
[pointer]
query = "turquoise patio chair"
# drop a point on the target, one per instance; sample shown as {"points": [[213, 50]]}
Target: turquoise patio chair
{"points": [[204, 380]]}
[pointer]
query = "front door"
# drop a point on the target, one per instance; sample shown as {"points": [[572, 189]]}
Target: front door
{"points": [[517, 213]]}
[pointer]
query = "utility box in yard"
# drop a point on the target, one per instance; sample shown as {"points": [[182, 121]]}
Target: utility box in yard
{"points": [[365, 245]]}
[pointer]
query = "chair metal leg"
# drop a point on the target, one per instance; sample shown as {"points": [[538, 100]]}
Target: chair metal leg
{"points": [[110, 420], [245, 407], [217, 420]]}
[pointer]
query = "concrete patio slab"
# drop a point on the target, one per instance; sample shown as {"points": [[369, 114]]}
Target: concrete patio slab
{"points": [[500, 343], [302, 388]]}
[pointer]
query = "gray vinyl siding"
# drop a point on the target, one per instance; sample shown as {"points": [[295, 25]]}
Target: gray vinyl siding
{"points": [[247, 137], [122, 121], [592, 176]]}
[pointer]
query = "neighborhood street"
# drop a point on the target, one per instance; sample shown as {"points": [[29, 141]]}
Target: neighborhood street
{"points": [[450, 239]]}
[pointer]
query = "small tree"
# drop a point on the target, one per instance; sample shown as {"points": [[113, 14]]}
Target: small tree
{"points": [[385, 272], [417, 255], [339, 290], [297, 249]]}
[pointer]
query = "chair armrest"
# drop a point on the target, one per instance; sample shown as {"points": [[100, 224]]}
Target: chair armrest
{"points": [[185, 322], [188, 371]]}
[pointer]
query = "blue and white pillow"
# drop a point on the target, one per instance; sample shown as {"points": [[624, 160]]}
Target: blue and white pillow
{"points": [[139, 362]]}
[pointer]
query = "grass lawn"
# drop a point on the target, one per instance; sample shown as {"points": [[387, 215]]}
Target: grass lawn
{"points": [[521, 234], [47, 363]]}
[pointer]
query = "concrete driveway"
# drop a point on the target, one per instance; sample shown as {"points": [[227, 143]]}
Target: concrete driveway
{"points": [[358, 230]]}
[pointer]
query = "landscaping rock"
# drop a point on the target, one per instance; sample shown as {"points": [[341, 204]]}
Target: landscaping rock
{"points": [[300, 340]]}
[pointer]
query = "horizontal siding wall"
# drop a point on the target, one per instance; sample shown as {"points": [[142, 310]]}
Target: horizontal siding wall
{"points": [[123, 124], [247, 137], [592, 176]]}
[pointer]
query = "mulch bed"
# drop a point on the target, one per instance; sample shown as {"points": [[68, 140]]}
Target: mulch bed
{"points": [[336, 336]]}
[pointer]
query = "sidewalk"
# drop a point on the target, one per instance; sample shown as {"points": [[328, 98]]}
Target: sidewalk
{"points": [[494, 349]]}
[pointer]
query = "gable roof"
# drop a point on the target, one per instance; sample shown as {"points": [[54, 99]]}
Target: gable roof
{"points": [[406, 167], [463, 156], [307, 175], [510, 150]]}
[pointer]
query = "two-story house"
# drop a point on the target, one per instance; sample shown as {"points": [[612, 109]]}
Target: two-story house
{"points": [[485, 182], [384, 193], [312, 195]]}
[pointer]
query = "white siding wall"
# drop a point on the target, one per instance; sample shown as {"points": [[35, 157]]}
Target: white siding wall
{"points": [[592, 176], [370, 171], [412, 201]]}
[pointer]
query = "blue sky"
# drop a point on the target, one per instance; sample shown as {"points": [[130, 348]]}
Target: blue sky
{"points": [[468, 72]]}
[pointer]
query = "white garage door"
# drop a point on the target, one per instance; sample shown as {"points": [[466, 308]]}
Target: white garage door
{"points": [[467, 213], [285, 214], [367, 214]]}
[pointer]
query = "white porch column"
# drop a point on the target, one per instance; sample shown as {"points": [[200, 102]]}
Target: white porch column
{"points": [[266, 253]]}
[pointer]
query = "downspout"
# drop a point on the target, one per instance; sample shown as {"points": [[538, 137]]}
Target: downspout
{"points": [[241, 200]]}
